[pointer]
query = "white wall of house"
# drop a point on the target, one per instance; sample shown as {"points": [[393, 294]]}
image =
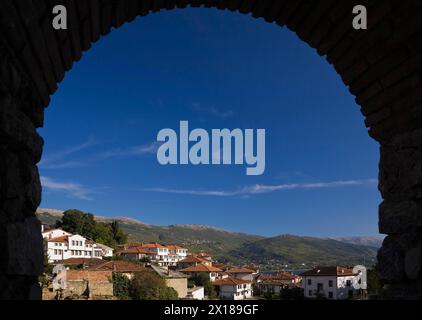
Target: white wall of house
{"points": [[236, 292], [107, 251], [75, 246], [197, 293], [167, 257], [331, 287]]}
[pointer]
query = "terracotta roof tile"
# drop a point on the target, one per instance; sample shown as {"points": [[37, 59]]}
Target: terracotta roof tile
{"points": [[118, 266], [201, 268], [240, 270], [230, 281], [59, 239]]}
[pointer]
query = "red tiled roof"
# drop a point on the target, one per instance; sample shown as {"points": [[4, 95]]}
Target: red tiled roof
{"points": [[134, 251], [221, 266], [240, 270], [118, 266], [328, 271], [230, 281], [174, 247], [152, 245], [201, 268], [194, 260], [59, 239]]}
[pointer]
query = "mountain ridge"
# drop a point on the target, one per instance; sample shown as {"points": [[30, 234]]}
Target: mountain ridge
{"points": [[242, 248]]}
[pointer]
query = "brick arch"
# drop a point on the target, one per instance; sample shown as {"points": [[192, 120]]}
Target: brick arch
{"points": [[381, 67]]}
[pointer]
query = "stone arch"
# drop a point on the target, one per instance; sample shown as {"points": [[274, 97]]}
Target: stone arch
{"points": [[381, 67]]}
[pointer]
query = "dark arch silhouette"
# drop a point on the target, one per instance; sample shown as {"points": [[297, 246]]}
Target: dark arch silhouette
{"points": [[381, 67]]}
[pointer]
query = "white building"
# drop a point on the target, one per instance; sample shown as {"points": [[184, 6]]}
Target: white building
{"points": [[211, 271], [162, 255], [234, 289], [334, 283], [196, 293], [61, 245], [242, 273], [107, 251]]}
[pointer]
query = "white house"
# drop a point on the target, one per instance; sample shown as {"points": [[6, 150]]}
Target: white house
{"points": [[234, 289], [196, 293], [107, 251], [162, 255], [242, 273], [211, 271], [67, 246], [334, 283]]}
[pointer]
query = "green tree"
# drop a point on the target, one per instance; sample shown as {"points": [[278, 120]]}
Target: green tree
{"points": [[147, 285], [78, 222], [75, 221], [203, 280], [121, 285], [119, 235]]}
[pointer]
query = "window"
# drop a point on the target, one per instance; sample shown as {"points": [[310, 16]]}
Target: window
{"points": [[330, 295], [309, 282], [330, 283], [310, 293]]}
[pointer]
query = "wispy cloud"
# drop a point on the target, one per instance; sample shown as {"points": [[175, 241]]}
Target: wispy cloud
{"points": [[53, 160], [141, 150], [212, 111], [61, 159], [261, 189], [74, 190]]}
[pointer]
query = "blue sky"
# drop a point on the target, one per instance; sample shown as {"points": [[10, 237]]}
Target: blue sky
{"points": [[215, 69]]}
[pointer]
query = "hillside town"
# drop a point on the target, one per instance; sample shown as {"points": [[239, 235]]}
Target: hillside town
{"points": [[84, 269]]}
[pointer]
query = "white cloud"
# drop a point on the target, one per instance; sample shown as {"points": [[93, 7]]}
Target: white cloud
{"points": [[60, 160], [261, 189], [71, 189], [51, 161], [146, 149], [213, 111]]}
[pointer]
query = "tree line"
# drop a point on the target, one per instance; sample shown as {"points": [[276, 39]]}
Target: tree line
{"points": [[84, 224]]}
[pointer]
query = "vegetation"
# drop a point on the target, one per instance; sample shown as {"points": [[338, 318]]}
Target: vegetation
{"points": [[374, 284], [239, 249], [293, 251], [121, 285], [147, 285], [78, 222], [203, 280], [292, 293]]}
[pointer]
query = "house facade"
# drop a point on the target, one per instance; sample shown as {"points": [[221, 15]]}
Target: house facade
{"points": [[211, 271], [234, 289], [334, 283], [61, 245], [162, 255], [242, 273]]}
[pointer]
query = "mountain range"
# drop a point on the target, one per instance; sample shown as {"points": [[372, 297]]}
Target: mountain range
{"points": [[285, 251]]}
